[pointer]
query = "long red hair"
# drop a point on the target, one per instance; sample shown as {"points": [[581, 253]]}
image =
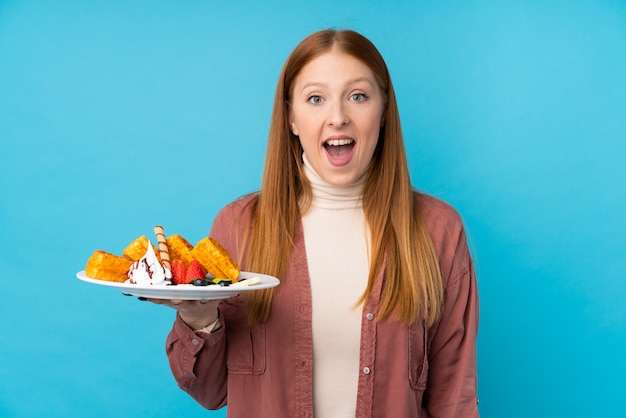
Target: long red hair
{"points": [[399, 240]]}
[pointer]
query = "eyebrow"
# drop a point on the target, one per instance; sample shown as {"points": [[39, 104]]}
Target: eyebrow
{"points": [[349, 82]]}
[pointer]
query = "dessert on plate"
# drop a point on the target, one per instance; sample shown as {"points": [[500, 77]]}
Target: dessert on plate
{"points": [[173, 261]]}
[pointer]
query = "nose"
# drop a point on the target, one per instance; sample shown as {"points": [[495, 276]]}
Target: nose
{"points": [[338, 116]]}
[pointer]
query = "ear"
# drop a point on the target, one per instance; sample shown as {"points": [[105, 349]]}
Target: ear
{"points": [[292, 125], [383, 114]]}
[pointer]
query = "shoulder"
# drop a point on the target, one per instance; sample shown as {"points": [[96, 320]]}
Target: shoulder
{"points": [[437, 213], [236, 209], [447, 232], [233, 219]]}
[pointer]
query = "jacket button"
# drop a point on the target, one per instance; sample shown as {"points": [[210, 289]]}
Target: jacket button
{"points": [[366, 370], [369, 316], [194, 341]]}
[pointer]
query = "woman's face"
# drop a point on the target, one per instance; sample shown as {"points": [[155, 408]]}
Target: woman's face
{"points": [[336, 109]]}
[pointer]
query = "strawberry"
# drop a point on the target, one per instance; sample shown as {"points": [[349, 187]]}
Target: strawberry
{"points": [[194, 271], [179, 272]]}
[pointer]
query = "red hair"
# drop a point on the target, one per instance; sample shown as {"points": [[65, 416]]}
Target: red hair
{"points": [[413, 284]]}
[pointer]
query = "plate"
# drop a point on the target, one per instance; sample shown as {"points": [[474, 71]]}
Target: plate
{"points": [[185, 292]]}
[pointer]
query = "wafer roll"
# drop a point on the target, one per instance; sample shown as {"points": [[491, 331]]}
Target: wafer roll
{"points": [[163, 250]]}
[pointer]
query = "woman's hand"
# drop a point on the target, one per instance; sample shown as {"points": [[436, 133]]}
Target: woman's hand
{"points": [[195, 313]]}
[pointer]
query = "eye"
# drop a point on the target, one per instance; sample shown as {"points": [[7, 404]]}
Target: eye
{"points": [[315, 99], [359, 97]]}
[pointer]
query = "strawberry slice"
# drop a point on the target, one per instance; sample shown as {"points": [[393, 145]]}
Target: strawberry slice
{"points": [[179, 272], [194, 271]]}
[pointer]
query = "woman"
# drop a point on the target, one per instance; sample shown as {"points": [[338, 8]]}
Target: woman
{"points": [[377, 311]]}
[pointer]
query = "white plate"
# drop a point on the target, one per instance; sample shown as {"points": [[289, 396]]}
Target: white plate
{"points": [[185, 292]]}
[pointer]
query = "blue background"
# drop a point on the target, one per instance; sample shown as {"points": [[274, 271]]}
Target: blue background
{"points": [[116, 116]]}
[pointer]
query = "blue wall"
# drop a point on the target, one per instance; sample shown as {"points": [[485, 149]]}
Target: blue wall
{"points": [[116, 116]]}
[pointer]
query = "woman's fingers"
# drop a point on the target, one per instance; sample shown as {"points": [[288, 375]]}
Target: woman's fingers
{"points": [[182, 305], [195, 313]]}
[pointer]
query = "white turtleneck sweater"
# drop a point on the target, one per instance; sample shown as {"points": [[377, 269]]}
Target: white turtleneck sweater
{"points": [[336, 240]]}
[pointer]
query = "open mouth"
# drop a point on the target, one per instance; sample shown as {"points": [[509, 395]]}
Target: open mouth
{"points": [[339, 148]]}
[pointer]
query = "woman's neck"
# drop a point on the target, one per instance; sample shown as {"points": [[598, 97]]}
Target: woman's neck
{"points": [[327, 196]]}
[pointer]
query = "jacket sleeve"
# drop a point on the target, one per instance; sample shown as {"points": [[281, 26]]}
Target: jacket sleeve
{"points": [[198, 363], [199, 360], [451, 389]]}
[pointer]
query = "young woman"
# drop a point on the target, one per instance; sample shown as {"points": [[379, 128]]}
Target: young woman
{"points": [[377, 311]]}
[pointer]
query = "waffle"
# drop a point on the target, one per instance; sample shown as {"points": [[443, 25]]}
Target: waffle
{"points": [[179, 248], [137, 249], [215, 259], [106, 266]]}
